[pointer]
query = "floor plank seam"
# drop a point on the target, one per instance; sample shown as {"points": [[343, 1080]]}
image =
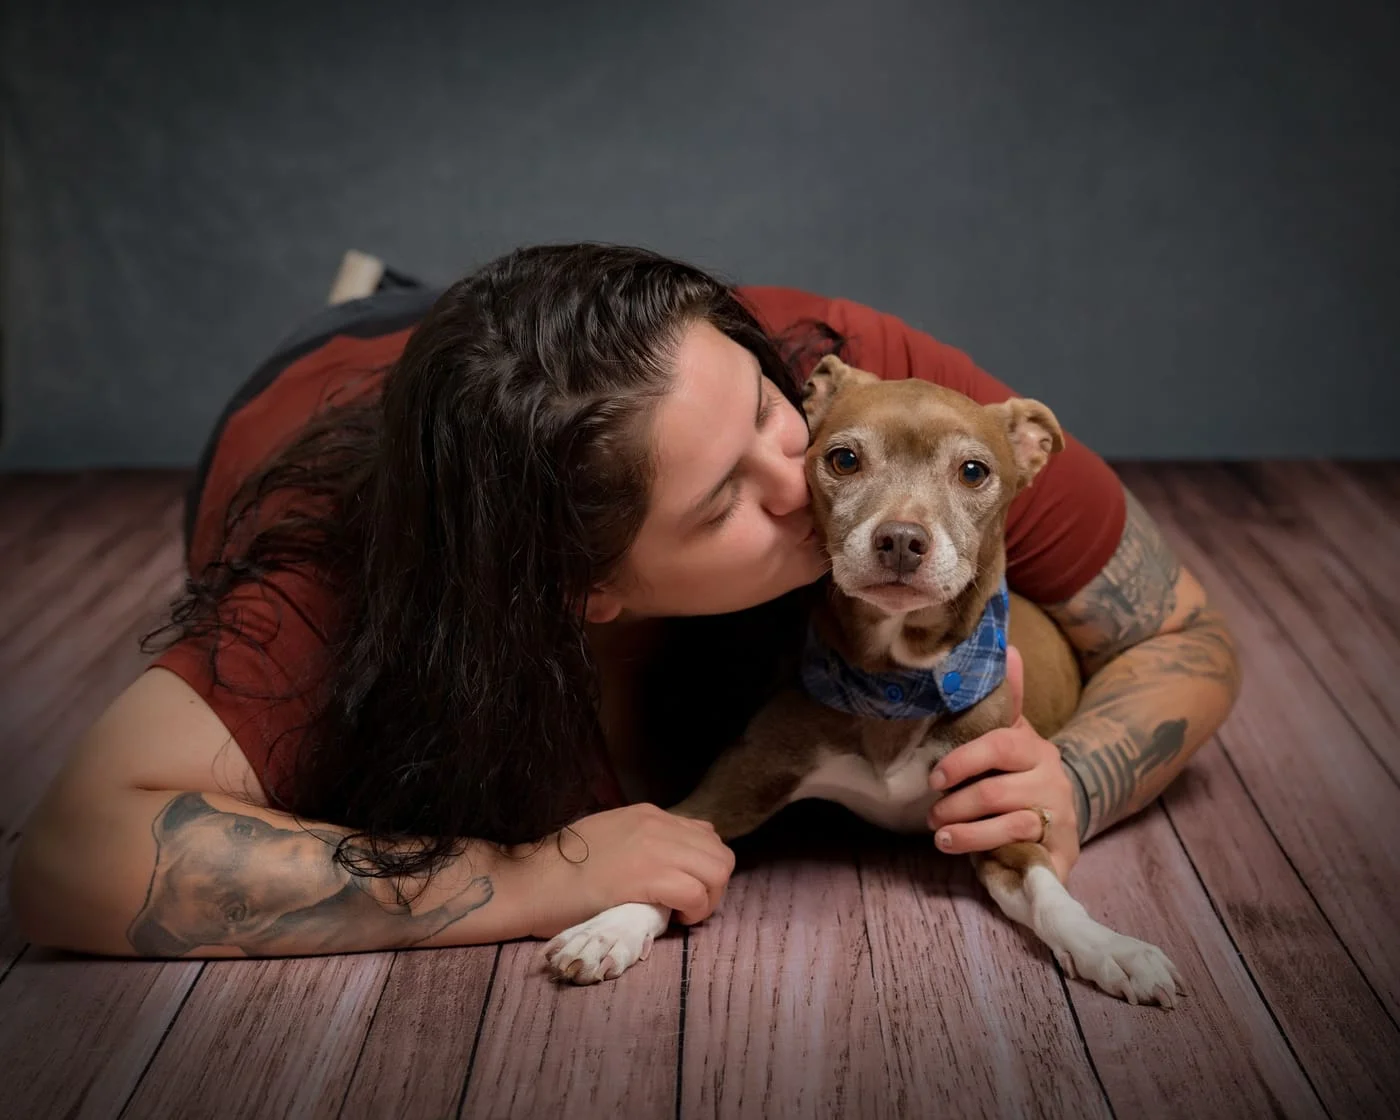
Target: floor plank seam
{"points": [[1321, 534], [1244, 960], [97, 598], [364, 1039], [139, 1080], [1083, 1038], [9, 968], [865, 922], [1338, 654], [1303, 654], [480, 1028], [1321, 910], [684, 1000]]}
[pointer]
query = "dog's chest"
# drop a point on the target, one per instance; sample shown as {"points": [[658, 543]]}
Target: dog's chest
{"points": [[886, 783]]}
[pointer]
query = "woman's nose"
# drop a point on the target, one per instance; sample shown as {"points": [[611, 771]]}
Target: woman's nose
{"points": [[784, 484]]}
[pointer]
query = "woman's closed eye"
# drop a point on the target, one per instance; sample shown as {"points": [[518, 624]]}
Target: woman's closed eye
{"points": [[729, 511], [770, 402]]}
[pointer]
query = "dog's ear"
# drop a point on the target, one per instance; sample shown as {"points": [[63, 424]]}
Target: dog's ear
{"points": [[830, 374], [1033, 432]]}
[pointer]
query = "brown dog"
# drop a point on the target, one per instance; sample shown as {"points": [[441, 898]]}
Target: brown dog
{"points": [[905, 659]]}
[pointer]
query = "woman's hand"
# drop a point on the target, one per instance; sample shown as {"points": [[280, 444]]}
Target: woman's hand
{"points": [[638, 853], [993, 811]]}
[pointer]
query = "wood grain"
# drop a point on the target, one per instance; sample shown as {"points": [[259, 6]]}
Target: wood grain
{"points": [[1218, 1053], [261, 1038], [552, 1049], [29, 499], [1351, 520], [417, 1055], [1332, 1019], [1333, 807], [77, 1033], [780, 1006], [1244, 516], [972, 1007], [64, 566]]}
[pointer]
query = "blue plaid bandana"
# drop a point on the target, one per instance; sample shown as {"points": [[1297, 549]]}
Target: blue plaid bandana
{"points": [[968, 674]]}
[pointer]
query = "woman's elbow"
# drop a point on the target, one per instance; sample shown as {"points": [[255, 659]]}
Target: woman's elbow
{"points": [[1215, 658]]}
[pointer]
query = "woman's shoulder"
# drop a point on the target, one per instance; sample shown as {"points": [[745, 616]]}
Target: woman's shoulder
{"points": [[261, 678], [876, 340]]}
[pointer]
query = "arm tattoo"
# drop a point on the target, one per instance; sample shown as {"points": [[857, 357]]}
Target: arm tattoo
{"points": [[1163, 676], [1130, 600], [226, 878]]}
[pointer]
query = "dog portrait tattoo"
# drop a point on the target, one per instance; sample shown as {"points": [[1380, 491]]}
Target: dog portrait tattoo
{"points": [[230, 879]]}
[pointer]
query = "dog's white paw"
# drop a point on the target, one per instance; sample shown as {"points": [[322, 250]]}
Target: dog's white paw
{"points": [[1123, 966], [607, 945]]}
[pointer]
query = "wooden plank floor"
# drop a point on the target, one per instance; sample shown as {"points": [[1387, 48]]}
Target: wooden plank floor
{"points": [[848, 973]]}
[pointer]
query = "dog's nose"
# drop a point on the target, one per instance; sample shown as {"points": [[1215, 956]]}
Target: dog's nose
{"points": [[900, 545]]}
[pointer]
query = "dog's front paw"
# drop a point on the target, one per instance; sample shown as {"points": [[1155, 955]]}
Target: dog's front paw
{"points": [[606, 946], [1123, 966]]}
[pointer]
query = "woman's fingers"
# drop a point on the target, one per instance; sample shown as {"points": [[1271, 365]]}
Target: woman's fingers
{"points": [[1002, 793], [692, 897], [683, 893], [706, 860], [983, 836], [1006, 748]]}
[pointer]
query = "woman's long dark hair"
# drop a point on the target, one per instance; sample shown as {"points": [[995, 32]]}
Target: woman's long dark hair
{"points": [[459, 516]]}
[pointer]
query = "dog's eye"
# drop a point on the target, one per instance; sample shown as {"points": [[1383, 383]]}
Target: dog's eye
{"points": [[843, 460], [973, 473]]}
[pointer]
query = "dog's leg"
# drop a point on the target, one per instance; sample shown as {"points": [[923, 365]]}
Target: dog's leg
{"points": [[607, 944], [1022, 881], [747, 784], [738, 793], [755, 777]]}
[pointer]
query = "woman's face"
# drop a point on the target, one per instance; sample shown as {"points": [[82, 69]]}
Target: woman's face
{"points": [[730, 522]]}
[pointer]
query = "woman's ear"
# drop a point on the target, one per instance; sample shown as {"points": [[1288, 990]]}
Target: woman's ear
{"points": [[602, 605]]}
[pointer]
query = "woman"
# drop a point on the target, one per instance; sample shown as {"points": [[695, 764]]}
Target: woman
{"points": [[461, 591]]}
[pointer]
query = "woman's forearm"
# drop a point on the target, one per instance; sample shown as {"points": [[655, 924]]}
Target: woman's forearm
{"points": [[170, 874], [1143, 715]]}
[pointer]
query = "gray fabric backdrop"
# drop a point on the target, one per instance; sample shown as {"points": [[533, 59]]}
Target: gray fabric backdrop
{"points": [[1177, 224]]}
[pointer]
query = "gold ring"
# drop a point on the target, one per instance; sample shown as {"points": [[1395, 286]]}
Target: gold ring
{"points": [[1044, 815]]}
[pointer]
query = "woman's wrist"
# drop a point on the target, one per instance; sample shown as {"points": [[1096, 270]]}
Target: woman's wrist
{"points": [[543, 886], [1081, 798]]}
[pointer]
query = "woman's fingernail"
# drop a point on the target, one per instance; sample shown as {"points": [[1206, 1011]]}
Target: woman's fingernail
{"points": [[943, 839], [940, 779]]}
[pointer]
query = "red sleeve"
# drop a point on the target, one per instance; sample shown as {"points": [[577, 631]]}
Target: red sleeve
{"points": [[292, 616], [261, 695], [1060, 531]]}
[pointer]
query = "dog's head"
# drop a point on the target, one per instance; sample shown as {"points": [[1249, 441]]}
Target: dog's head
{"points": [[203, 891], [911, 481]]}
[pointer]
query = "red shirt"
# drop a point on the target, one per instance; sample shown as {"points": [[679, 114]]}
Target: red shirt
{"points": [[1060, 532]]}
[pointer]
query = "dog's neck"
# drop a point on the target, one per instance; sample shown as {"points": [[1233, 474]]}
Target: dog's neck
{"points": [[875, 641]]}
